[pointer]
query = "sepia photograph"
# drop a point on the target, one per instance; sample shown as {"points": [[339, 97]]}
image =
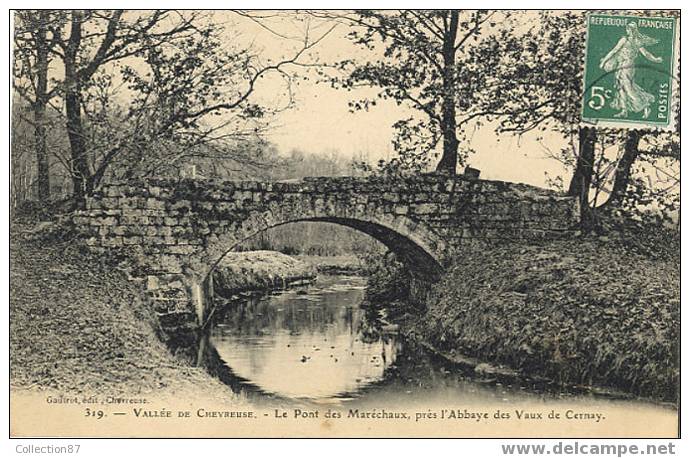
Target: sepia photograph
{"points": [[321, 223]]}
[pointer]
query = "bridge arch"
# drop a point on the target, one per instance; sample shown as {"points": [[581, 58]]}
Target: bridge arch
{"points": [[419, 248]]}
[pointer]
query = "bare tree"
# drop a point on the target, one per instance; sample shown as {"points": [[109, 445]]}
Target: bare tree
{"points": [[35, 41], [178, 73]]}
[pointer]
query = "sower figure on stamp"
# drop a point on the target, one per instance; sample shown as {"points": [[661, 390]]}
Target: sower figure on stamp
{"points": [[621, 60]]}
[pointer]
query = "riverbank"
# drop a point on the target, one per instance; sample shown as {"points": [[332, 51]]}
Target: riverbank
{"points": [[335, 265], [247, 271], [79, 326], [578, 312]]}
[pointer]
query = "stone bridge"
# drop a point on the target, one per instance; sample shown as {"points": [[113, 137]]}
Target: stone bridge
{"points": [[176, 231]]}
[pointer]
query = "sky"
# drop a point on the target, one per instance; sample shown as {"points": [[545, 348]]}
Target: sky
{"points": [[321, 122]]}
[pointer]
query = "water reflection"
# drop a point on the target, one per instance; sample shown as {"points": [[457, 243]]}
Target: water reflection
{"points": [[314, 343], [318, 345]]}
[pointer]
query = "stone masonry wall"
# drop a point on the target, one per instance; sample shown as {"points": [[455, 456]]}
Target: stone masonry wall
{"points": [[175, 231]]}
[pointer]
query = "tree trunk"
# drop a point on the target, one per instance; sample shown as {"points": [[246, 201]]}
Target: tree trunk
{"points": [[622, 176], [75, 132], [80, 165], [584, 168], [39, 108], [449, 160]]}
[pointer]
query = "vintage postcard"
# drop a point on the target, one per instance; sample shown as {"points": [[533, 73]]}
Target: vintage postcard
{"points": [[344, 224]]}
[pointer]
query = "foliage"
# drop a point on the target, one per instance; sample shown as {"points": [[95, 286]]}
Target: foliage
{"points": [[33, 56], [388, 281], [430, 62], [140, 92], [648, 234], [297, 164], [545, 79], [312, 238]]}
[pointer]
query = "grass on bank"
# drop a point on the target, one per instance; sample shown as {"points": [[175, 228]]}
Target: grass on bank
{"points": [[591, 312], [79, 326]]}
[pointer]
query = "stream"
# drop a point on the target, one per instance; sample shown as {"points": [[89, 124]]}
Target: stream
{"points": [[319, 344]]}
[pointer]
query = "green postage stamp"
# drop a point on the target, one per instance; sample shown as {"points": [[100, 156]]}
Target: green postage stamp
{"points": [[631, 66]]}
